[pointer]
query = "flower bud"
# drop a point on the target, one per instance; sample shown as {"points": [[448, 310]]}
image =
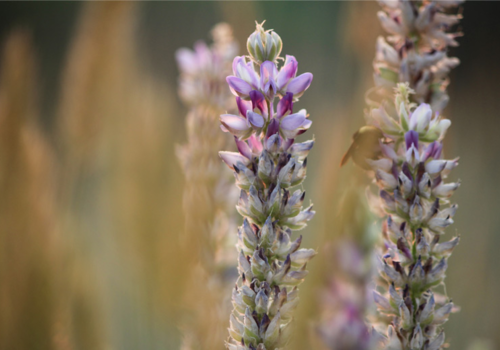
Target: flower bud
{"points": [[446, 248], [301, 150], [383, 304], [251, 333], [248, 296], [302, 256], [416, 211], [437, 343], [406, 319], [426, 314], [424, 186], [417, 340], [395, 299], [264, 45], [248, 237], [265, 167], [406, 185], [273, 332], [236, 328], [385, 180], [261, 301]]}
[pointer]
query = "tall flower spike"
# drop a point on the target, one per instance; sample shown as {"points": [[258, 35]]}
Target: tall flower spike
{"points": [[415, 51], [346, 301], [209, 194], [402, 147], [269, 163], [414, 197]]}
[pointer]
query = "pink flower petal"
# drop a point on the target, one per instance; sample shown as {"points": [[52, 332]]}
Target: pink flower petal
{"points": [[243, 148], [243, 106], [233, 158]]}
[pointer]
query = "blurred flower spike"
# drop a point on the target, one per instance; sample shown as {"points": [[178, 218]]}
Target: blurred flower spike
{"points": [[204, 68], [415, 51]]}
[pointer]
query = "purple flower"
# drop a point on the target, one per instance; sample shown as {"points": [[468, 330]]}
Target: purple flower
{"points": [[191, 61], [420, 118], [255, 144], [285, 105], [243, 148], [433, 150], [268, 74], [294, 124], [187, 60], [236, 125], [412, 154], [243, 106], [273, 139], [244, 70], [259, 103], [272, 128], [239, 87], [411, 139], [287, 72], [244, 80], [300, 84], [256, 120], [232, 158]]}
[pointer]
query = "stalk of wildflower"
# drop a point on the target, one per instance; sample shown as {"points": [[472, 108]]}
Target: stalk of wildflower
{"points": [[269, 163], [416, 50], [209, 194], [410, 172], [346, 302]]}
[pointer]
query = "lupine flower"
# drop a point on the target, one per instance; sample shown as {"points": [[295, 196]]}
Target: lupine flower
{"points": [[209, 194], [267, 165], [411, 173], [202, 68], [416, 50], [346, 301], [264, 48]]}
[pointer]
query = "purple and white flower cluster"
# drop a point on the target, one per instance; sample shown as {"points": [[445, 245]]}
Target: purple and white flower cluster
{"points": [[269, 81], [416, 50], [203, 69], [255, 99], [267, 165], [411, 173]]}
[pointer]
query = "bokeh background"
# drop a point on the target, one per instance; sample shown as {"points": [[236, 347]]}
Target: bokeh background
{"points": [[91, 191]]}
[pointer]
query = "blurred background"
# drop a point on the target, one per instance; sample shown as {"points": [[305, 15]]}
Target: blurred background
{"points": [[91, 190]]}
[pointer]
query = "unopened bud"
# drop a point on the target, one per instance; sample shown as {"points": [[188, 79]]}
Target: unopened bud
{"points": [[264, 45]]}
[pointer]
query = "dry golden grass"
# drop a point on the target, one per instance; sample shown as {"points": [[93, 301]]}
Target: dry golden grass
{"points": [[31, 248]]}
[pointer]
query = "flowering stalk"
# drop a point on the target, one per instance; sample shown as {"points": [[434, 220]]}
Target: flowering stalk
{"points": [[410, 173], [402, 146], [267, 166], [346, 302], [209, 194], [416, 50]]}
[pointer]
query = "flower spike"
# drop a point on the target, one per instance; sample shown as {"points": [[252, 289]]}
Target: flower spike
{"points": [[267, 167]]}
